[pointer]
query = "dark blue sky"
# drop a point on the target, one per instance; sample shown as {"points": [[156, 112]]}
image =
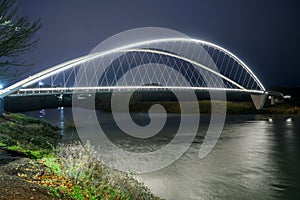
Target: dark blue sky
{"points": [[264, 34]]}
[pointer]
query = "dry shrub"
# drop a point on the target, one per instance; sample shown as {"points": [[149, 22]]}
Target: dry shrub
{"points": [[78, 162]]}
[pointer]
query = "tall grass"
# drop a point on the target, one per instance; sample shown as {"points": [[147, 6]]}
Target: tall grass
{"points": [[93, 179]]}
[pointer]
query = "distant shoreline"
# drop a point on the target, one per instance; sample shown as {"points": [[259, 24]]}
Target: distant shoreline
{"points": [[205, 107], [140, 104]]}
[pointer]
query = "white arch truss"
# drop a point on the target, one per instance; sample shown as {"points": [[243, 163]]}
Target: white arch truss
{"points": [[134, 48]]}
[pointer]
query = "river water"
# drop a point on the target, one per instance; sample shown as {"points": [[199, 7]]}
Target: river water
{"points": [[256, 157]]}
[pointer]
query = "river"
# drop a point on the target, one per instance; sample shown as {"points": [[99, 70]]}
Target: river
{"points": [[256, 157]]}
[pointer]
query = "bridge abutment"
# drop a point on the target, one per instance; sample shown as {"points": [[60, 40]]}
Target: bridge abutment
{"points": [[259, 100], [1, 105]]}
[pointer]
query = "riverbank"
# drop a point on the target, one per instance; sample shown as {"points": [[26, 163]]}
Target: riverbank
{"points": [[23, 140], [33, 165], [237, 103], [231, 107]]}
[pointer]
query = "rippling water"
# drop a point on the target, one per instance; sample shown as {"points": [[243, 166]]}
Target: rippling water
{"points": [[256, 157]]}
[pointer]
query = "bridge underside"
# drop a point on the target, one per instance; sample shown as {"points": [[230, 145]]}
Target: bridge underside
{"points": [[74, 90], [38, 101]]}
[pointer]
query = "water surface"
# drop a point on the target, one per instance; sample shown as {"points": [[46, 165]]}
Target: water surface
{"points": [[256, 157]]}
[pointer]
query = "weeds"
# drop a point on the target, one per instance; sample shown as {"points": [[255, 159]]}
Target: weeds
{"points": [[69, 170], [91, 178], [55, 192]]}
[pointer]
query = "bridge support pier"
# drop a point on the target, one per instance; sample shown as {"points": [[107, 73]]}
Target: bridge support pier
{"points": [[259, 100], [1, 105]]}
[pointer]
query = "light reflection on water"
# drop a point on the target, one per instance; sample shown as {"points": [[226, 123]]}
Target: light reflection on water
{"points": [[232, 170], [257, 157]]}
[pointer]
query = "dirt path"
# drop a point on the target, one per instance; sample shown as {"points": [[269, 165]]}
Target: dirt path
{"points": [[13, 187]]}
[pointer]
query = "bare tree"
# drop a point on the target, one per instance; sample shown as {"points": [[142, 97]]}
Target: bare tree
{"points": [[17, 37]]}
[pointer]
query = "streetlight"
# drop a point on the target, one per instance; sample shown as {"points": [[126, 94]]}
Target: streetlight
{"points": [[40, 83]]}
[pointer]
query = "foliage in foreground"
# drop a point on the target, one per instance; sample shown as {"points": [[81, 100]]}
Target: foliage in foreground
{"points": [[34, 137], [92, 179], [69, 170]]}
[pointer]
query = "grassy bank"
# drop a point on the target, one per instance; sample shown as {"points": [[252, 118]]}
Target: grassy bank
{"points": [[236, 103], [33, 137], [231, 107], [66, 171], [248, 108]]}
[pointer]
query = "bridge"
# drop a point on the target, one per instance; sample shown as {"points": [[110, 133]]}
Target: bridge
{"points": [[162, 64]]}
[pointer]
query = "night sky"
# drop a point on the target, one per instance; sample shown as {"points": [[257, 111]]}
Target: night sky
{"points": [[264, 34]]}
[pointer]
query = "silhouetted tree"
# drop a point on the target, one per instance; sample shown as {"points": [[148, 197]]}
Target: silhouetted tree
{"points": [[17, 37]]}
